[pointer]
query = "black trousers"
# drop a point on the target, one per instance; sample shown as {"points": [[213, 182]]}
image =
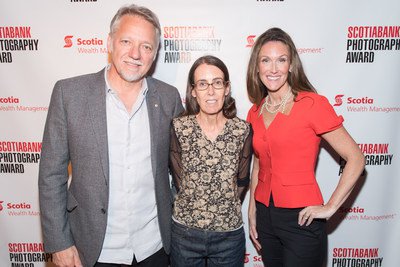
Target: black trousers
{"points": [[285, 243], [158, 259]]}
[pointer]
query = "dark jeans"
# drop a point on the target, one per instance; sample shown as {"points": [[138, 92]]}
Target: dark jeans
{"points": [[198, 248], [158, 259], [285, 243]]}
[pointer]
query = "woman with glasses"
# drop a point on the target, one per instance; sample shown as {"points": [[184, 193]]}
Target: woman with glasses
{"points": [[210, 156]]}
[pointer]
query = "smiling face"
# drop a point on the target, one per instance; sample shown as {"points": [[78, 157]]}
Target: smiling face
{"points": [[274, 65], [210, 100], [133, 47]]}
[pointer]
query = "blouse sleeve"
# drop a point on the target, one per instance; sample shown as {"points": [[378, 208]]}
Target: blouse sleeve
{"points": [[245, 157], [323, 117], [175, 160]]}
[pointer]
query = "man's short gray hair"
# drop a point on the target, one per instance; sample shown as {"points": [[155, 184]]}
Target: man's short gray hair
{"points": [[135, 10]]}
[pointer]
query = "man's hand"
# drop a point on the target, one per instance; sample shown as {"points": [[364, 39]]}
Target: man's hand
{"points": [[67, 258]]}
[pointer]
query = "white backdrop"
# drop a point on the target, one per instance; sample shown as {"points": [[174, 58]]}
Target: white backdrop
{"points": [[350, 50]]}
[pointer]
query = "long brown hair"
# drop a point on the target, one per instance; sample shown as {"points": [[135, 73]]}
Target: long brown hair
{"points": [[192, 107], [297, 78]]}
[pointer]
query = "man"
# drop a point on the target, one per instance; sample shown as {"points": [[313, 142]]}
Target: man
{"points": [[113, 127]]}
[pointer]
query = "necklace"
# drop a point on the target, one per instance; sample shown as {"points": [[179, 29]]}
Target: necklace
{"points": [[280, 106]]}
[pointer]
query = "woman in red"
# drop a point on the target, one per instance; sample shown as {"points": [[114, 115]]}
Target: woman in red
{"points": [[287, 214]]}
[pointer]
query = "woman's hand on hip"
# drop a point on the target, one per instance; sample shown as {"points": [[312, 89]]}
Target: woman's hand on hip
{"points": [[308, 214]]}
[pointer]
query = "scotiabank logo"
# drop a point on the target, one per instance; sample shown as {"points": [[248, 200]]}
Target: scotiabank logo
{"points": [[18, 209], [353, 100], [363, 100], [9, 100], [250, 40], [18, 206], [246, 257], [338, 100], [68, 41], [82, 42], [255, 259], [300, 50], [366, 104], [15, 206], [351, 210]]}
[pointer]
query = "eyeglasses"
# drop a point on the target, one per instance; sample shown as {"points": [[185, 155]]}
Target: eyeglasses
{"points": [[203, 85]]}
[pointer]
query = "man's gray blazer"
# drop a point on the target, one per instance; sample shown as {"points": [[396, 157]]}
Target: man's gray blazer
{"points": [[76, 132]]}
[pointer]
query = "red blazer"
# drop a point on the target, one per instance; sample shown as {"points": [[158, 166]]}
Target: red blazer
{"points": [[288, 149]]}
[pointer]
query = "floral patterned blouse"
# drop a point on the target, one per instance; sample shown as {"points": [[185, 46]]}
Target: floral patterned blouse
{"points": [[207, 173]]}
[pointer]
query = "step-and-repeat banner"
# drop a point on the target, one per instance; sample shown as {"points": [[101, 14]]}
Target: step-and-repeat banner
{"points": [[350, 50]]}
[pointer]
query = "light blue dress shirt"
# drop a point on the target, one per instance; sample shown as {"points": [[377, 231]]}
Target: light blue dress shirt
{"points": [[132, 225]]}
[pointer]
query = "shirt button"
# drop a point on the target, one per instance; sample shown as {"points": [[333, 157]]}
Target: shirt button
{"points": [[103, 210]]}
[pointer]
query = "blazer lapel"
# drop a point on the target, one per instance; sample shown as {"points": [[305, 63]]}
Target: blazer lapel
{"points": [[153, 107], [98, 115]]}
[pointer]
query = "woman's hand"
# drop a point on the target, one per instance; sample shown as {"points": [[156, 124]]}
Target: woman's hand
{"points": [[252, 204], [252, 227], [308, 214]]}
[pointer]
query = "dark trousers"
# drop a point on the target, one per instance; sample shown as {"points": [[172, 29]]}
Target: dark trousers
{"points": [[198, 248], [285, 243], [158, 259]]}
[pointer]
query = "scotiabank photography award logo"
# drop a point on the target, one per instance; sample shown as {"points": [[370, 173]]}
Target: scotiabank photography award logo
{"points": [[180, 43], [16, 155], [363, 41], [14, 40], [27, 254], [376, 154], [85, 45], [344, 257]]}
